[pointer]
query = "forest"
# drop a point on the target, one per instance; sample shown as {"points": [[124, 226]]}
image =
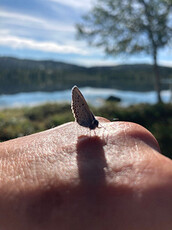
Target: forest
{"points": [[17, 75]]}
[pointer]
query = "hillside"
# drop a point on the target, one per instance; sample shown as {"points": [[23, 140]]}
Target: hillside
{"points": [[17, 75]]}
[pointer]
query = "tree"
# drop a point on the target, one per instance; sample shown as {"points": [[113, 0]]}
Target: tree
{"points": [[129, 26]]}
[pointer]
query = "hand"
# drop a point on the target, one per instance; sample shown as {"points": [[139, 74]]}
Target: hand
{"points": [[69, 177]]}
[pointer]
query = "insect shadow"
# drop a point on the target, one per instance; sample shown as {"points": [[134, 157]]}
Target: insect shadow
{"points": [[91, 164]]}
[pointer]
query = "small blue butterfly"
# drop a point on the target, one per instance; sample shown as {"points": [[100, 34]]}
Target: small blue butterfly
{"points": [[81, 111]]}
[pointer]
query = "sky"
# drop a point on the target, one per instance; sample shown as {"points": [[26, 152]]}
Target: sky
{"points": [[45, 30]]}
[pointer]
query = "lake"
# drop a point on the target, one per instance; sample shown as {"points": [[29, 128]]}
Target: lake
{"points": [[95, 96]]}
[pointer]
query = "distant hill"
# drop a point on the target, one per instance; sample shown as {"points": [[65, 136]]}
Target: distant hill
{"points": [[17, 75]]}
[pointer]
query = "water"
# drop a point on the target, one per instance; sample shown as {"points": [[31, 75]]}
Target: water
{"points": [[94, 96]]}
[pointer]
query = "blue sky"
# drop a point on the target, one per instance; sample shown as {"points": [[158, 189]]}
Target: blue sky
{"points": [[45, 29]]}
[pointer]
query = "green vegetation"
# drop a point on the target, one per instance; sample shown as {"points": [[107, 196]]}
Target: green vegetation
{"points": [[27, 76], [19, 122]]}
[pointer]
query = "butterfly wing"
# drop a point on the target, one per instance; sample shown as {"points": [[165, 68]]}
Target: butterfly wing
{"points": [[80, 109]]}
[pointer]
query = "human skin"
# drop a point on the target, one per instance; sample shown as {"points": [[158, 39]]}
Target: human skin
{"points": [[70, 177]]}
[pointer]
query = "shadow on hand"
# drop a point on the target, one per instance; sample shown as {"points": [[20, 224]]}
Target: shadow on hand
{"points": [[91, 164]]}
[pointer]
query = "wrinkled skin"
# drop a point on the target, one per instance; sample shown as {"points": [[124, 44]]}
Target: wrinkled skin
{"points": [[74, 178]]}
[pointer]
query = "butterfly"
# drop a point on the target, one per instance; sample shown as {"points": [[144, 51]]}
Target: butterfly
{"points": [[81, 111]]}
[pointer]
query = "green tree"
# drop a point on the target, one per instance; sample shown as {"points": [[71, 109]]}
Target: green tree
{"points": [[129, 26]]}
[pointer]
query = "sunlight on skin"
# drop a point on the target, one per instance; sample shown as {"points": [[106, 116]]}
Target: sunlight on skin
{"points": [[71, 177]]}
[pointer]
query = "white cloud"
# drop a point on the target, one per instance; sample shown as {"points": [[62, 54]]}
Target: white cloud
{"points": [[24, 43], [86, 4], [17, 16], [96, 62], [165, 63], [57, 36], [13, 18]]}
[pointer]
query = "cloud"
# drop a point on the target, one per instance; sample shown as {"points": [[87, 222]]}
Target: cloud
{"points": [[89, 62], [18, 19], [75, 3], [36, 33], [46, 46], [18, 16], [12, 20], [166, 63], [50, 32]]}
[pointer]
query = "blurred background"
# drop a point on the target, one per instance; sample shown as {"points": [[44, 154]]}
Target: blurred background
{"points": [[118, 52]]}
